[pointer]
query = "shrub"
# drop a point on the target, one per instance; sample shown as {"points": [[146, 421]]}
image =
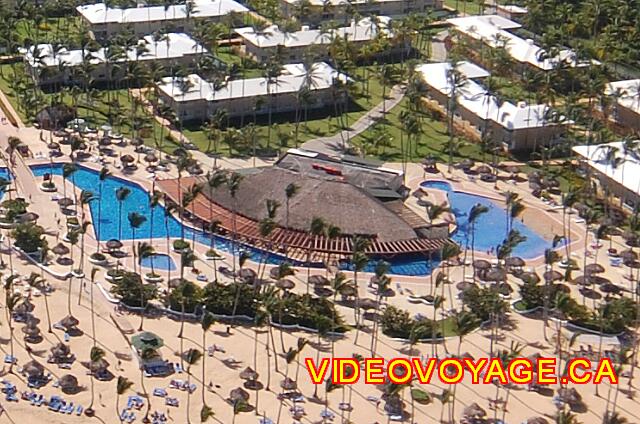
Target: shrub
{"points": [[14, 207], [180, 244], [483, 301], [29, 237], [397, 323], [186, 292], [98, 256], [132, 291]]}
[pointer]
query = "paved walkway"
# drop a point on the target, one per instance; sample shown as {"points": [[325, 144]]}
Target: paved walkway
{"points": [[339, 142]]}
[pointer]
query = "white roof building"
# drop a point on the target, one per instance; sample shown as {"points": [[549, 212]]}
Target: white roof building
{"points": [[624, 170], [491, 30], [476, 99], [363, 30], [100, 13], [292, 78], [176, 46], [627, 93]]}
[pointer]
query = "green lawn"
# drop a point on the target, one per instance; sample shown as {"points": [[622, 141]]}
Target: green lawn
{"points": [[320, 123], [64, 30], [464, 6], [95, 110]]}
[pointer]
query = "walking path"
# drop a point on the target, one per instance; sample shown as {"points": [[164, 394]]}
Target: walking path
{"points": [[340, 141]]}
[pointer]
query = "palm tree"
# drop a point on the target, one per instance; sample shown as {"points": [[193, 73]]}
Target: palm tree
{"points": [[206, 322], [145, 251], [94, 357], [122, 386], [11, 301], [317, 229], [68, 169], [463, 323], [359, 261], [121, 195], [474, 214], [289, 191], [550, 258], [135, 221], [104, 174], [192, 357], [233, 185], [37, 282]]}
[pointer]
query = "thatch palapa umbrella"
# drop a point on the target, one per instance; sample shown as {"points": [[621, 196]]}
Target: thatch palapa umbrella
{"points": [[150, 158], [319, 280], [33, 368], [537, 420], [248, 374], [60, 350], [65, 202], [69, 322], [474, 411], [569, 395], [238, 395], [323, 291], [68, 383], [465, 285], [610, 288], [530, 277], [552, 275], [514, 261], [285, 284], [60, 249], [481, 264], [288, 384], [494, 274], [247, 274], [127, 159], [114, 244], [367, 304], [593, 269]]}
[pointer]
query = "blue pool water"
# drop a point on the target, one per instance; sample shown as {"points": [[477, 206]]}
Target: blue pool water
{"points": [[4, 173], [113, 222], [159, 261], [490, 227]]}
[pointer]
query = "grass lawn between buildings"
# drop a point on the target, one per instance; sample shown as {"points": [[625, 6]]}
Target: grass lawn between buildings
{"points": [[95, 110]]}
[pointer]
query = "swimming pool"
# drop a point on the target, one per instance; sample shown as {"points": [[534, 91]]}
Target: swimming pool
{"points": [[4, 173], [160, 262], [490, 228], [112, 223]]}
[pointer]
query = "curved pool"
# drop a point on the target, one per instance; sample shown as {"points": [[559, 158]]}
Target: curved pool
{"points": [[490, 228], [159, 262], [113, 221]]}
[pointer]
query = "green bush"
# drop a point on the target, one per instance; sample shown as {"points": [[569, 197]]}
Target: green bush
{"points": [[29, 237], [132, 291], [397, 323], [180, 244], [483, 301], [14, 208], [188, 293]]}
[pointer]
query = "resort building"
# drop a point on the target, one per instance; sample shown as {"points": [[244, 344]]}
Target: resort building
{"points": [[194, 99], [105, 21], [517, 127], [48, 65], [362, 199], [617, 172], [493, 31], [625, 108], [510, 11], [315, 12], [296, 46]]}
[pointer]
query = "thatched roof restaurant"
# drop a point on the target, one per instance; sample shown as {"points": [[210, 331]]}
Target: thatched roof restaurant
{"points": [[358, 210]]}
